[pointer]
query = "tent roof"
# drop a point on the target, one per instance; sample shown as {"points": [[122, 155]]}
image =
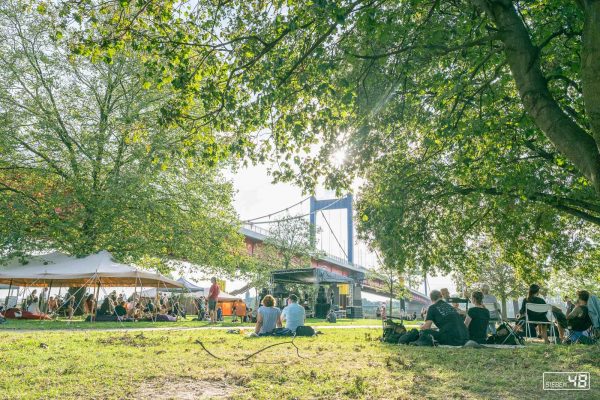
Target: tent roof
{"points": [[190, 286], [60, 269], [309, 276], [223, 296]]}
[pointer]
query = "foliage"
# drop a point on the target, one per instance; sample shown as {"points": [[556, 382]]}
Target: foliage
{"points": [[471, 119], [495, 89], [287, 246], [392, 282], [88, 163]]}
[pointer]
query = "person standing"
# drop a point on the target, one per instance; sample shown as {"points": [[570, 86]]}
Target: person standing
{"points": [[490, 299], [213, 296]]}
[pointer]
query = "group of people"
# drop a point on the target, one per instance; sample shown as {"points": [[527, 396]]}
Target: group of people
{"points": [[577, 318], [270, 317], [456, 326]]}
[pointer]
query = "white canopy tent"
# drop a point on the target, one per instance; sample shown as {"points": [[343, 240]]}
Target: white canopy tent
{"points": [[223, 296], [58, 269]]}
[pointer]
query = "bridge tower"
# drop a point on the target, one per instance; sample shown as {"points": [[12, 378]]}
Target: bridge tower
{"points": [[334, 204], [337, 204]]}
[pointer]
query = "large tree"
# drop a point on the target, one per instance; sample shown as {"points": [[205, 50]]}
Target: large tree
{"points": [[500, 89], [87, 161], [488, 110]]}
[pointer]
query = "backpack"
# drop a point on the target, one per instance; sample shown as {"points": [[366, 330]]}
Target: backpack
{"points": [[503, 336], [425, 339], [282, 332], [305, 331], [392, 331], [409, 337]]}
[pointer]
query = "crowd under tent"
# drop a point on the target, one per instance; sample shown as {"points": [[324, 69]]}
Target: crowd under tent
{"points": [[225, 300], [96, 271]]}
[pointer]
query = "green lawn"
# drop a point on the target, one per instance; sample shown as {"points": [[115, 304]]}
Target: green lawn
{"points": [[341, 363], [187, 323]]}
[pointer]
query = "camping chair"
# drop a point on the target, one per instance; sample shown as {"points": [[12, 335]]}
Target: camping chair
{"points": [[539, 308], [493, 307]]}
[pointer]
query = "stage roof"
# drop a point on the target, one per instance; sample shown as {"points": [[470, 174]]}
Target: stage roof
{"points": [[309, 276]]}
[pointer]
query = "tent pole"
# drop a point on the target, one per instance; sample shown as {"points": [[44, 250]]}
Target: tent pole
{"points": [[9, 292], [156, 302], [97, 294], [47, 298]]}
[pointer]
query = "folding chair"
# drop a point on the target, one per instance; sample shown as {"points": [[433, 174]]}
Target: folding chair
{"points": [[539, 308], [502, 324]]}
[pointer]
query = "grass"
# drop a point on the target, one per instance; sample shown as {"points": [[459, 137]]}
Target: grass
{"points": [[341, 363], [61, 323]]}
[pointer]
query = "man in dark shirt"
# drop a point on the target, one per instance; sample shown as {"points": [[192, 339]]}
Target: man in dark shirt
{"points": [[452, 330], [579, 319], [120, 310]]}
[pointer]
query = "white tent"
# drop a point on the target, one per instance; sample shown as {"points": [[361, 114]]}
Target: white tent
{"points": [[223, 296], [99, 269]]}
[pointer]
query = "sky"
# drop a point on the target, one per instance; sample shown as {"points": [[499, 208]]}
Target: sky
{"points": [[256, 196]]}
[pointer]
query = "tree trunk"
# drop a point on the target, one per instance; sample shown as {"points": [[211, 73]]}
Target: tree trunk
{"points": [[590, 65], [503, 305], [391, 298], [523, 58]]}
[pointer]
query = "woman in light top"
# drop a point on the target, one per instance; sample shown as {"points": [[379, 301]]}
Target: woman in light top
{"points": [[268, 316]]}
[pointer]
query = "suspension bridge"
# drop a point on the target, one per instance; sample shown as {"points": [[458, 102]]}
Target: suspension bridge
{"points": [[338, 249]]}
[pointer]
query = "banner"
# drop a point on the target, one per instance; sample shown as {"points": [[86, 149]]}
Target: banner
{"points": [[344, 288]]}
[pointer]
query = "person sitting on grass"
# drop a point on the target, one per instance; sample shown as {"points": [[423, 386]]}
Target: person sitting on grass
{"points": [[52, 305], [121, 311], [451, 328], [268, 317], [579, 319], [293, 314], [478, 318], [534, 298]]}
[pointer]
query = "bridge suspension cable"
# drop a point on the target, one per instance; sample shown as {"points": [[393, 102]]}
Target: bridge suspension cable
{"points": [[334, 235], [250, 221], [278, 212]]}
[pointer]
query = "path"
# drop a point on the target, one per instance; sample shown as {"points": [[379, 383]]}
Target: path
{"points": [[186, 328]]}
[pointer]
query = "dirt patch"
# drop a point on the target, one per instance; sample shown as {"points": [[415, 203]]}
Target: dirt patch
{"points": [[184, 390]]}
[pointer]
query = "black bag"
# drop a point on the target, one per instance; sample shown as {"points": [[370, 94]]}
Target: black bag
{"points": [[392, 331], [503, 336], [282, 332], [305, 331], [409, 337], [425, 339]]}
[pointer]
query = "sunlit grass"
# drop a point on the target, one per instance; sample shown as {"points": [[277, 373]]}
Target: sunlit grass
{"points": [[341, 363]]}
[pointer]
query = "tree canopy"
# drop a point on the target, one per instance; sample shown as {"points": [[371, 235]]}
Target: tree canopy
{"points": [[87, 161], [468, 118]]}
